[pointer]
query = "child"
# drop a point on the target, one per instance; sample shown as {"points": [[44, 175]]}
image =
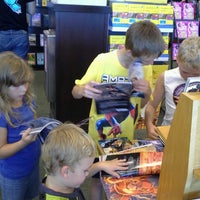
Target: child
{"points": [[19, 154], [171, 83], [144, 41], [68, 154]]}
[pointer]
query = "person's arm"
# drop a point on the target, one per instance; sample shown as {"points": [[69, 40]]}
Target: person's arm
{"points": [[7, 150], [158, 95], [109, 167], [86, 90], [31, 7], [143, 86]]}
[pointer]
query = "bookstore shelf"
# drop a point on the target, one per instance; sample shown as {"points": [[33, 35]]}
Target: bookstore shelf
{"points": [[37, 23]]}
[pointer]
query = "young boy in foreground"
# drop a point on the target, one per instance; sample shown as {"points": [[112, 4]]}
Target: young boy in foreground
{"points": [[68, 155]]}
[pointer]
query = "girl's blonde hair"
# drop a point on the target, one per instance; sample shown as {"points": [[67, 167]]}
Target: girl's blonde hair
{"points": [[67, 144], [189, 52], [14, 71]]}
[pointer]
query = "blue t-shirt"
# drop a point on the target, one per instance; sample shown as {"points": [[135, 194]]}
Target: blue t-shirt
{"points": [[22, 163]]}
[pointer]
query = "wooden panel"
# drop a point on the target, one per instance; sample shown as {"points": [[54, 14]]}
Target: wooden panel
{"points": [[81, 34], [181, 153], [163, 132]]}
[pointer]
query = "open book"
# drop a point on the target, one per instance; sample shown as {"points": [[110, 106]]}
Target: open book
{"points": [[192, 84], [41, 126], [141, 163], [115, 97]]}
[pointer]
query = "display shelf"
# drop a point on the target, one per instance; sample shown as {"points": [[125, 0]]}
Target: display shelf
{"points": [[124, 13], [123, 28], [37, 24], [141, 1], [186, 23]]}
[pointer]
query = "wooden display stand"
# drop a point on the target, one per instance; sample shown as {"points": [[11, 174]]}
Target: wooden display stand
{"points": [[180, 171]]}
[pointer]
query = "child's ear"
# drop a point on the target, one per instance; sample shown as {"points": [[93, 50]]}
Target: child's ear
{"points": [[129, 53], [64, 171]]}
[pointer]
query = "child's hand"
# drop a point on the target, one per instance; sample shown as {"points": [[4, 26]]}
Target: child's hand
{"points": [[89, 91], [111, 166], [27, 138], [176, 98], [142, 85], [152, 132]]}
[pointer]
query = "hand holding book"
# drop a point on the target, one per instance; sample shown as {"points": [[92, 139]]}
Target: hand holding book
{"points": [[41, 126]]}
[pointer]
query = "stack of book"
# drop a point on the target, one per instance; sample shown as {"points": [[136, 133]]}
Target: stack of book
{"points": [[144, 159]]}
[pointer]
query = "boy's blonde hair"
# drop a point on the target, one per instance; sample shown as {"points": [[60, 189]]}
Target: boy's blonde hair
{"points": [[189, 52], [14, 71], [67, 144], [144, 38]]}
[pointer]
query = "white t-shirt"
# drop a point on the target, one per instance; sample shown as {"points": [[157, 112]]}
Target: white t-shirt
{"points": [[174, 84]]}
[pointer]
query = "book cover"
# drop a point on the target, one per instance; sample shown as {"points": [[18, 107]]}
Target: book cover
{"points": [[31, 58], [123, 145], [192, 84], [32, 39], [131, 188], [115, 97], [141, 163], [40, 58], [41, 40], [41, 126], [36, 20]]}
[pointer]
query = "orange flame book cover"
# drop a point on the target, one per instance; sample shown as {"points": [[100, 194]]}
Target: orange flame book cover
{"points": [[131, 188]]}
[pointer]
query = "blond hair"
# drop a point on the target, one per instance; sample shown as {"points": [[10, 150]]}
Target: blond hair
{"points": [[14, 71], [66, 145], [189, 52]]}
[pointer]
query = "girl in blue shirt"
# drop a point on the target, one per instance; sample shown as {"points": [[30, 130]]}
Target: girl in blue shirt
{"points": [[19, 153]]}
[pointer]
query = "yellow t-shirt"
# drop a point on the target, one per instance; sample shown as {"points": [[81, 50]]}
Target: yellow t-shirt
{"points": [[106, 68]]}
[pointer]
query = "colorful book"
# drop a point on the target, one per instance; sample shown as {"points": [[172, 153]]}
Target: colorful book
{"points": [[140, 181], [131, 188], [115, 97], [123, 145], [141, 163]]}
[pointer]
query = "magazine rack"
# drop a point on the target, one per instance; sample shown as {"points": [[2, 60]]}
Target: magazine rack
{"points": [[180, 171]]}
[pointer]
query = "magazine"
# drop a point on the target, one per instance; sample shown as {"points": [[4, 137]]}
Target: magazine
{"points": [[192, 84], [42, 126], [131, 188], [123, 145], [141, 163], [115, 97]]}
